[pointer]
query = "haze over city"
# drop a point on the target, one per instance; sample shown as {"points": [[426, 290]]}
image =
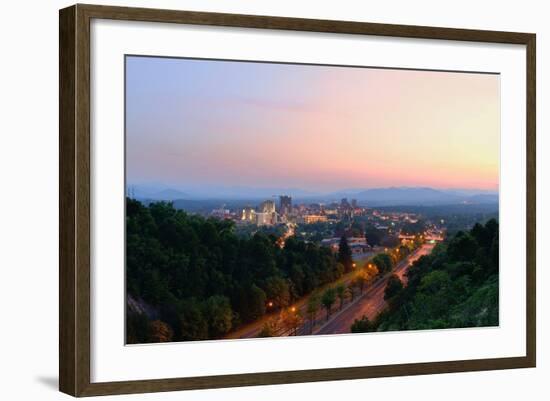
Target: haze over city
{"points": [[316, 129]]}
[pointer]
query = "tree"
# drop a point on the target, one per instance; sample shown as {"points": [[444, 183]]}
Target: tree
{"points": [[455, 286], [219, 315], [417, 227], [348, 293], [291, 319], [389, 241], [313, 305], [373, 235], [251, 302], [328, 299], [364, 275], [338, 271], [370, 270], [344, 254], [463, 247], [351, 289], [277, 291], [341, 293], [393, 287], [270, 328], [193, 325], [383, 262], [362, 325], [160, 332], [201, 277], [137, 327]]}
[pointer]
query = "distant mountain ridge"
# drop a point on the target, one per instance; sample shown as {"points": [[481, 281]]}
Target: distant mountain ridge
{"points": [[423, 195], [388, 196], [406, 195]]}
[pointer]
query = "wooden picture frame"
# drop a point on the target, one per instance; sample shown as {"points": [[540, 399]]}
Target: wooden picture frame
{"points": [[74, 203]]}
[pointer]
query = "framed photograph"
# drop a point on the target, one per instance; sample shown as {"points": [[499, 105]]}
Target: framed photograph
{"points": [[250, 200]]}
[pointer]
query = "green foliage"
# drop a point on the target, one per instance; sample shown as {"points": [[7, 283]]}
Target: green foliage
{"points": [[277, 291], [313, 305], [383, 262], [341, 293], [218, 315], [252, 302], [328, 299], [193, 324], [373, 235], [463, 247], [202, 279], [455, 286], [137, 330], [362, 325], [344, 254], [393, 287]]}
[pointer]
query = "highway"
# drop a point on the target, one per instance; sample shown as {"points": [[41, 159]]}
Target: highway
{"points": [[371, 303], [252, 329]]}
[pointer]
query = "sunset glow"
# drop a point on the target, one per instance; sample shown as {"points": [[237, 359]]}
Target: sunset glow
{"points": [[317, 128]]}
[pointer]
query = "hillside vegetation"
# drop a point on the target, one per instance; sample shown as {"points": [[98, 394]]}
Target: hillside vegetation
{"points": [[455, 286], [202, 280]]}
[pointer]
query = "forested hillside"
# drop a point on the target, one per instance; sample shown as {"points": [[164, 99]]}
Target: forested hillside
{"points": [[455, 286], [199, 279]]}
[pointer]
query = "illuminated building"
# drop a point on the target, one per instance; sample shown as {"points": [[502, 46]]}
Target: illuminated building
{"points": [[314, 218], [248, 214], [285, 205], [267, 206], [266, 219]]}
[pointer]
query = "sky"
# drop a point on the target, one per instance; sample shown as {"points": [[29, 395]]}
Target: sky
{"points": [[209, 123]]}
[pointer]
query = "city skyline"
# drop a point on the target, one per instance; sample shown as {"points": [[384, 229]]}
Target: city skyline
{"points": [[214, 124]]}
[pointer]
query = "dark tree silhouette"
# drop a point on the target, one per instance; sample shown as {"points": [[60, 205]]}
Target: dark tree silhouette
{"points": [[344, 254]]}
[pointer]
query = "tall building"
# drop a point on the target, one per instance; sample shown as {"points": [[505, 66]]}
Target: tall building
{"points": [[285, 205], [354, 203], [267, 206], [344, 204]]}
